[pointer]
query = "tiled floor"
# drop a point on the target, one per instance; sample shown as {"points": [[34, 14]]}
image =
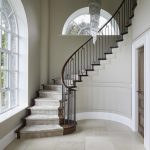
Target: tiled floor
{"points": [[90, 135]]}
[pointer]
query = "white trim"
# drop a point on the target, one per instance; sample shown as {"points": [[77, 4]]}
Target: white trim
{"points": [[23, 51], [105, 116], [143, 40], [6, 140], [12, 112]]}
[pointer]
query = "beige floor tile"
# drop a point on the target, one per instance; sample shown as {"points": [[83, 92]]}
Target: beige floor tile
{"points": [[90, 135], [69, 146], [18, 145], [42, 144], [98, 143]]}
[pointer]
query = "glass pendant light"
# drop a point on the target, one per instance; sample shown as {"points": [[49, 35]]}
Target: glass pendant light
{"points": [[94, 11]]}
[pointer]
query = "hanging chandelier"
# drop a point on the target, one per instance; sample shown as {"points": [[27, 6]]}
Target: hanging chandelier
{"points": [[94, 11]]}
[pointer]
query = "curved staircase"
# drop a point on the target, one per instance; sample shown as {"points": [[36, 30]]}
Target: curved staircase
{"points": [[49, 118]]}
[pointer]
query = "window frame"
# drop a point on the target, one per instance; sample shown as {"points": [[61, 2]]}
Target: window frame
{"points": [[23, 98], [11, 56]]}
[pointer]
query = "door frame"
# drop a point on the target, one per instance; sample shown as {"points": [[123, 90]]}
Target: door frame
{"points": [[143, 40]]}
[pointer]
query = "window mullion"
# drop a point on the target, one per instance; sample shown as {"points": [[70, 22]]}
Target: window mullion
{"points": [[9, 73], [18, 72]]}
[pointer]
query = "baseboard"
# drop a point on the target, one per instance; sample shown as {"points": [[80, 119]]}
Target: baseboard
{"points": [[105, 116], [7, 139]]}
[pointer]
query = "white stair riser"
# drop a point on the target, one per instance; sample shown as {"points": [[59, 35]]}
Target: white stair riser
{"points": [[103, 62], [110, 56], [42, 122], [101, 67], [53, 88], [46, 103], [50, 95], [42, 134], [45, 112]]}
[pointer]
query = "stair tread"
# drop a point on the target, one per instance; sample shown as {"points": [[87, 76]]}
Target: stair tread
{"points": [[43, 107], [47, 99], [50, 91], [42, 117], [40, 128]]}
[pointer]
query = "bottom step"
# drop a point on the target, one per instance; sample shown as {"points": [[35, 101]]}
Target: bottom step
{"points": [[38, 131]]}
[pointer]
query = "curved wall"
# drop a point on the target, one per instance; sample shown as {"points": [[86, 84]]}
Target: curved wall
{"points": [[109, 90]]}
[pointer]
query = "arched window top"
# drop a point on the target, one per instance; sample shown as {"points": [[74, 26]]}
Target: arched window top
{"points": [[79, 22], [8, 18]]}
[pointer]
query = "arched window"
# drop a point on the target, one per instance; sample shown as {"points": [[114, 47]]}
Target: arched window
{"points": [[79, 23], [10, 44]]}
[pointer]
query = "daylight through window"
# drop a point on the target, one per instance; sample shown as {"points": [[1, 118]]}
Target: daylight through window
{"points": [[79, 23], [8, 57]]}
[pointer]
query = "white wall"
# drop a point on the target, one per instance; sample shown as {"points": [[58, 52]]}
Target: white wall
{"points": [[33, 12], [45, 23], [109, 89], [141, 21]]}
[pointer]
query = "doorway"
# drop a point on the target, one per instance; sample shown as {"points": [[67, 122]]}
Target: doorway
{"points": [[141, 91], [142, 42]]}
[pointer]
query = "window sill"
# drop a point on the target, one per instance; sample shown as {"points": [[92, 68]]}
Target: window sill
{"points": [[10, 113]]}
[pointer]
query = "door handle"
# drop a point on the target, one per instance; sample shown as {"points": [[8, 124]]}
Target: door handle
{"points": [[140, 92]]}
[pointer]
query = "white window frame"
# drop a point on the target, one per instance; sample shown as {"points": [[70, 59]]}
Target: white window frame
{"points": [[8, 51], [23, 60]]}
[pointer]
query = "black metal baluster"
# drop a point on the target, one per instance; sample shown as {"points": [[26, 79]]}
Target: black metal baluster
{"points": [[93, 53], [123, 19], [105, 41], [90, 55], [119, 24], [74, 75], [102, 45], [74, 106], [78, 64], [99, 49], [68, 105], [87, 55], [84, 57], [127, 12], [81, 60]]}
